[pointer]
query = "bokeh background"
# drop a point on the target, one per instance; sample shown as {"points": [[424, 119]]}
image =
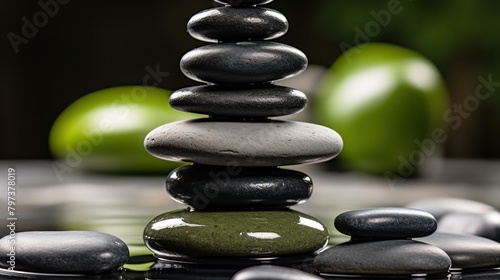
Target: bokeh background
{"points": [[93, 44]]}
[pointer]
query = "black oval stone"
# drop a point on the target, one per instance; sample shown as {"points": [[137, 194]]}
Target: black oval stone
{"points": [[243, 143], [243, 2], [228, 101], [386, 223], [273, 272], [231, 187], [383, 257], [466, 251], [189, 235], [243, 62], [228, 24], [64, 252], [485, 224]]}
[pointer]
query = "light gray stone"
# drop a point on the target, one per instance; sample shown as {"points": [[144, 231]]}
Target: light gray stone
{"points": [[383, 257], [466, 251], [386, 222]]}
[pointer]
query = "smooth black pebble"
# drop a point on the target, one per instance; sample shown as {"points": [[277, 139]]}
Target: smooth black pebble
{"points": [[485, 224], [439, 207], [233, 187], [230, 101], [466, 251], [383, 257], [273, 272], [386, 223], [243, 62], [64, 252], [228, 24]]}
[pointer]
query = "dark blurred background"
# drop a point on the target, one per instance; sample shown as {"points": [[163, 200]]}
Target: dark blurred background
{"points": [[87, 45]]}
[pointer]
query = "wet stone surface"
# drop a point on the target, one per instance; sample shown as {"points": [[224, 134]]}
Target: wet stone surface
{"points": [[228, 24]]}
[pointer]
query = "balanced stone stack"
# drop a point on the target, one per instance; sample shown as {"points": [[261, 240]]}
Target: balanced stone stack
{"points": [[238, 196]]}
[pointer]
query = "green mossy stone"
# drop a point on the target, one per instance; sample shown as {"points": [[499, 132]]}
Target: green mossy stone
{"points": [[189, 234]]}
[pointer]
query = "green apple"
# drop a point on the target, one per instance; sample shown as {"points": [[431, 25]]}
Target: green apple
{"points": [[104, 131], [387, 102]]}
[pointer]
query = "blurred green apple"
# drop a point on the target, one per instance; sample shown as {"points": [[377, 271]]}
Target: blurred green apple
{"points": [[387, 102], [104, 131]]}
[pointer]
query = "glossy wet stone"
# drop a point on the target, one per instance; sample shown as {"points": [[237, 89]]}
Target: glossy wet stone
{"points": [[228, 24], [466, 251], [386, 223], [227, 101], [485, 225], [272, 272], [439, 207], [64, 252], [243, 62], [267, 143], [189, 235], [389, 257], [232, 187], [244, 2]]}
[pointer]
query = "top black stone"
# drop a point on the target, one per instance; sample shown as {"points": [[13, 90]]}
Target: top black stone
{"points": [[237, 3], [228, 24], [386, 223]]}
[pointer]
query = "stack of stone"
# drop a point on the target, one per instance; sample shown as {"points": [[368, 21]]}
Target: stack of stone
{"points": [[238, 197], [381, 243]]}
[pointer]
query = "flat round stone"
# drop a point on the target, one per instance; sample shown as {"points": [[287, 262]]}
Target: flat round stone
{"points": [[383, 257], [63, 252], [231, 187], [243, 62], [186, 234], [273, 272], [239, 143], [481, 224], [229, 101], [391, 223], [466, 251], [238, 3], [439, 207], [228, 24]]}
